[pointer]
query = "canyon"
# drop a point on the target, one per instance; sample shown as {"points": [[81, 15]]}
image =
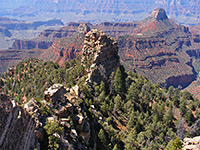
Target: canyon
{"points": [[12, 29], [78, 106], [156, 47], [185, 11]]}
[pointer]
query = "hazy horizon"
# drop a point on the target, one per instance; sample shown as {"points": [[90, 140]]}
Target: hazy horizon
{"points": [[95, 11]]}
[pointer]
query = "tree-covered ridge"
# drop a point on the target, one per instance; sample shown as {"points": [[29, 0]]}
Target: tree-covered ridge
{"points": [[132, 113], [31, 77], [147, 116]]}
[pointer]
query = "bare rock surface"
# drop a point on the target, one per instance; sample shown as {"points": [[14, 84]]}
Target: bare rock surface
{"points": [[16, 127], [191, 143], [101, 51]]}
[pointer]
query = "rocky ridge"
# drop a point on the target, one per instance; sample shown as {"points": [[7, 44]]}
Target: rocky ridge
{"points": [[64, 107]]}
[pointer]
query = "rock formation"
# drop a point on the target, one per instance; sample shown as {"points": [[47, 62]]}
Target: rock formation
{"points": [[159, 14], [101, 52], [67, 106], [23, 127], [16, 127], [191, 143], [160, 51]]}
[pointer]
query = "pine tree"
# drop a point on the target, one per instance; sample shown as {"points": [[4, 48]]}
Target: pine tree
{"points": [[117, 102], [119, 81], [176, 144], [189, 117], [130, 142], [168, 117], [102, 137]]}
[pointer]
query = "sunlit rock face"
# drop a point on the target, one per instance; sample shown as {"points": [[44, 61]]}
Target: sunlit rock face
{"points": [[16, 127], [102, 53]]}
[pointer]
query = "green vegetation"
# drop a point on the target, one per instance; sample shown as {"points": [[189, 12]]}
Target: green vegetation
{"points": [[144, 115], [52, 128], [175, 145], [135, 115], [33, 76]]}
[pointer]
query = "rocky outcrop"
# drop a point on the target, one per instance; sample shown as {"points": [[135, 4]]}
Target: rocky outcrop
{"points": [[159, 14], [191, 143], [23, 127], [54, 93], [71, 114], [16, 127], [159, 22], [101, 52]]}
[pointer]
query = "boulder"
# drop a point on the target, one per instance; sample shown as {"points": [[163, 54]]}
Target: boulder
{"points": [[50, 119], [75, 90], [191, 143], [65, 111], [73, 134], [54, 93], [33, 109], [31, 106]]}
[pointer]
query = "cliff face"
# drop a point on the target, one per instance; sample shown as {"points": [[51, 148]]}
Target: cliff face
{"points": [[47, 37], [195, 29], [25, 44], [161, 51], [16, 127], [102, 53], [65, 49], [159, 59]]}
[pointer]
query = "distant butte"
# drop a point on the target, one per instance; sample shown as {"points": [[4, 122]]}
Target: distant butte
{"points": [[159, 14]]}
